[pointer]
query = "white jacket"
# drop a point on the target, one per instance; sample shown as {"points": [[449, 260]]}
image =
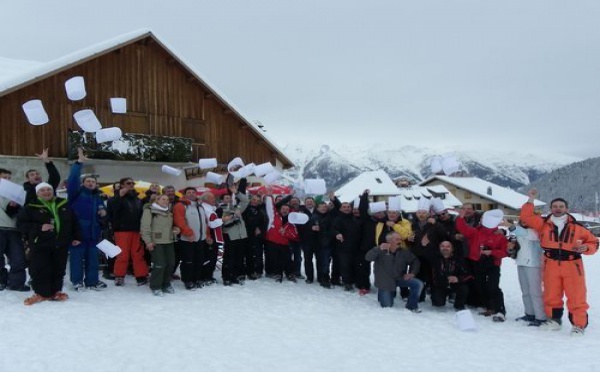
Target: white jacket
{"points": [[530, 254]]}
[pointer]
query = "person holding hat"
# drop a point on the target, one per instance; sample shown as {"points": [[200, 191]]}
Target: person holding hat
{"points": [[34, 177], [487, 248], [564, 241], [85, 199], [50, 226]]}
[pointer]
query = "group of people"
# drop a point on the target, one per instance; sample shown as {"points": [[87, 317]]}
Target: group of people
{"points": [[452, 258]]}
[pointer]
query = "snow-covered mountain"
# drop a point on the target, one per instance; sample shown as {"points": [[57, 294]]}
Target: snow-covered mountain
{"points": [[339, 164]]}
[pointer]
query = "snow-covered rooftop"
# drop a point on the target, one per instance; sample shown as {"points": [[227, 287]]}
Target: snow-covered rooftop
{"points": [[411, 196], [12, 68], [499, 194], [378, 182], [17, 78]]}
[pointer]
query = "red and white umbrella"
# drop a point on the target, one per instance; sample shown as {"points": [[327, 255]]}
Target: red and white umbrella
{"points": [[275, 189]]}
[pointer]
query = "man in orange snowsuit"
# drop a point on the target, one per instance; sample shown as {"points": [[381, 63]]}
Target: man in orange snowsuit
{"points": [[564, 241]]}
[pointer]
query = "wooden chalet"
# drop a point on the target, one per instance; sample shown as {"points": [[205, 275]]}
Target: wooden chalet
{"points": [[165, 97]]}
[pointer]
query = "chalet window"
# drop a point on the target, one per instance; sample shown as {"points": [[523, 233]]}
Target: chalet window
{"points": [[468, 195]]}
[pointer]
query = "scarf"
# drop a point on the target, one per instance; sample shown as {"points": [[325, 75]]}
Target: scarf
{"points": [[156, 206], [559, 222], [53, 208]]}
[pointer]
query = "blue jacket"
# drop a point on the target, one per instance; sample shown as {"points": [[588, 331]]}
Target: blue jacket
{"points": [[85, 204]]}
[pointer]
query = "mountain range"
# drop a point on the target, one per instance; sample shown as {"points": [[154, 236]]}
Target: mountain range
{"points": [[340, 164]]}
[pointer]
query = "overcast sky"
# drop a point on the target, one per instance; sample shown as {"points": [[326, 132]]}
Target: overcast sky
{"points": [[515, 75]]}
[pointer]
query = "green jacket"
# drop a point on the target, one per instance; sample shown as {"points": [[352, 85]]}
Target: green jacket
{"points": [[157, 226]]}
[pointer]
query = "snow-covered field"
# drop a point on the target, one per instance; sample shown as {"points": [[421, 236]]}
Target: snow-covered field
{"points": [[266, 326]]}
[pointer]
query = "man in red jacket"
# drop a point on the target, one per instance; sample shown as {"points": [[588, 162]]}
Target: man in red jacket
{"points": [[487, 248], [563, 241], [279, 235]]}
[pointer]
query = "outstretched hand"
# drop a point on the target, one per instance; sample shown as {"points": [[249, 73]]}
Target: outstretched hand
{"points": [[43, 156], [81, 156], [533, 194]]}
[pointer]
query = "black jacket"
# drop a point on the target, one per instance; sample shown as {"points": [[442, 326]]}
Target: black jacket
{"points": [[452, 266], [35, 214], [435, 234], [126, 212], [368, 225], [255, 217], [349, 227]]}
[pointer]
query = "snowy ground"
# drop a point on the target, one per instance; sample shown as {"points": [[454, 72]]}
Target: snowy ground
{"points": [[265, 326]]}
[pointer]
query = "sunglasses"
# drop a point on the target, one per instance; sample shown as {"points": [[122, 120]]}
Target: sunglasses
{"points": [[129, 183]]}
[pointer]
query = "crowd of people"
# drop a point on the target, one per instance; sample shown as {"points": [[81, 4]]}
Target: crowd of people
{"points": [[434, 252]]}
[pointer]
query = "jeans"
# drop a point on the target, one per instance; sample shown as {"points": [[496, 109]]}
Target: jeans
{"points": [[386, 298], [323, 263], [11, 245], [297, 257], [84, 263]]}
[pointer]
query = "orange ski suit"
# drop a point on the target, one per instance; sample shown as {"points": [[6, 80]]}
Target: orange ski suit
{"points": [[563, 272]]}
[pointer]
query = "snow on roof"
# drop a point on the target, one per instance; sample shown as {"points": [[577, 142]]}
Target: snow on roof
{"points": [[499, 194], [378, 182], [412, 195], [11, 68], [19, 79]]}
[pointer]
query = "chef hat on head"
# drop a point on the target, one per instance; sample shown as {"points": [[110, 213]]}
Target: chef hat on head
{"points": [[438, 205], [492, 219], [377, 207], [394, 204], [424, 205], [41, 185]]}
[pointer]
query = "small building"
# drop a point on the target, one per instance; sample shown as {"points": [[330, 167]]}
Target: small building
{"points": [[482, 194], [166, 98], [382, 187], [378, 182], [412, 194]]}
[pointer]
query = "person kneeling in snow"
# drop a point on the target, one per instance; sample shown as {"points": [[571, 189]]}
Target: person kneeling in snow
{"points": [[51, 227], [450, 276], [395, 267]]}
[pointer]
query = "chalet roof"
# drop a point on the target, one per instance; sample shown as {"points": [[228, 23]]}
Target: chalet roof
{"points": [[27, 75], [412, 195], [9, 68], [378, 182], [499, 194]]}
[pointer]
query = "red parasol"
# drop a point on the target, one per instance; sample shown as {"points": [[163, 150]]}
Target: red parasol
{"points": [[275, 189], [201, 190]]}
